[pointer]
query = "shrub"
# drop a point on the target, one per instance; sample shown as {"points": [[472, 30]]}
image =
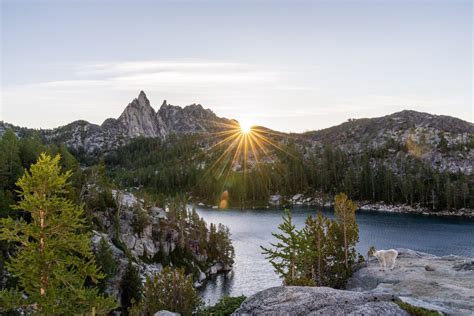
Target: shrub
{"points": [[168, 290], [141, 220], [106, 261], [131, 286], [226, 306], [417, 311]]}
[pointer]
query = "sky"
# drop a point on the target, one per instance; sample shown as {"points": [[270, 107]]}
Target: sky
{"points": [[287, 65]]}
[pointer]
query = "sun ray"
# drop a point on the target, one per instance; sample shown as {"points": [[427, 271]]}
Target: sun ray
{"points": [[242, 148]]}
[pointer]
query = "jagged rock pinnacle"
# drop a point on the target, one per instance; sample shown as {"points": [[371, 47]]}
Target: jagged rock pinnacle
{"points": [[142, 99]]}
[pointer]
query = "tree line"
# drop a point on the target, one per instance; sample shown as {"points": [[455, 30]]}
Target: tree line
{"points": [[377, 175]]}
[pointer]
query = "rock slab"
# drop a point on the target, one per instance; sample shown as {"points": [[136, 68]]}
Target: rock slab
{"points": [[298, 300], [445, 284]]}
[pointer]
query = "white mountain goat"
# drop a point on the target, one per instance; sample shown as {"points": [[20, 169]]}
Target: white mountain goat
{"points": [[386, 258]]}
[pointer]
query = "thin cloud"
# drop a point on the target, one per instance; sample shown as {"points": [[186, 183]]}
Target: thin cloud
{"points": [[121, 68]]}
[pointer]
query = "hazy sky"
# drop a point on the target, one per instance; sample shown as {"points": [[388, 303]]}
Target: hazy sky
{"points": [[288, 65]]}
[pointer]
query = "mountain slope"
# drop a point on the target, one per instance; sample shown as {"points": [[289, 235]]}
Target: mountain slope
{"points": [[398, 126], [444, 142]]}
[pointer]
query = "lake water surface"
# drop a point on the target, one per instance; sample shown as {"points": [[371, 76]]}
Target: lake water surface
{"points": [[252, 228]]}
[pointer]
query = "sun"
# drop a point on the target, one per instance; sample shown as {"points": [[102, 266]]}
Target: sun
{"points": [[245, 127]]}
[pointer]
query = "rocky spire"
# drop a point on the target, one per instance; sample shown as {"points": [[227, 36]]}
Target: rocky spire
{"points": [[143, 100], [139, 118]]}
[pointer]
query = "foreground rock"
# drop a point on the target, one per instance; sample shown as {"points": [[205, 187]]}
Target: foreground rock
{"points": [[296, 300], [445, 284]]}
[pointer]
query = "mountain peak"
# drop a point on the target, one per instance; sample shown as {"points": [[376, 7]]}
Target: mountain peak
{"points": [[142, 99], [139, 118]]}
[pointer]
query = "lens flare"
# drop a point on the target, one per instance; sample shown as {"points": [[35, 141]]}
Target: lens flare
{"points": [[245, 127], [241, 147]]}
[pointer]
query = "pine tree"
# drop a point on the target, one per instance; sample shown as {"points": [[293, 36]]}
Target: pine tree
{"points": [[345, 216], [224, 244], [168, 290], [212, 249], [10, 164], [316, 253], [54, 259], [284, 258], [131, 285], [10, 170], [105, 260]]}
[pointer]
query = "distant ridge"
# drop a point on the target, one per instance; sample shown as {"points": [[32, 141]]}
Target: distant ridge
{"points": [[445, 142]]}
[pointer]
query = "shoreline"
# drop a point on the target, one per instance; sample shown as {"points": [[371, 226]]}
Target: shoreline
{"points": [[365, 206], [407, 209]]}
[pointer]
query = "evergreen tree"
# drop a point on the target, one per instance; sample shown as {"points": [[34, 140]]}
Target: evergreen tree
{"points": [[10, 170], [316, 250], [322, 253], [10, 163], [54, 260], [131, 286], [345, 215], [224, 245], [140, 220], [105, 260], [212, 249], [169, 290], [284, 258]]}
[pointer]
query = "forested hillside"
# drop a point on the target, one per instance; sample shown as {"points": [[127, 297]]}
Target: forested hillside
{"points": [[182, 163], [133, 235]]}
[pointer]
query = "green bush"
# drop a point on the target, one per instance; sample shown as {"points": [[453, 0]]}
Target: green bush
{"points": [[226, 306], [417, 311], [131, 286], [168, 290], [141, 220]]}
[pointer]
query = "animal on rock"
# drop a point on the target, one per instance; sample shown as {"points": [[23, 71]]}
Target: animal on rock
{"points": [[386, 258]]}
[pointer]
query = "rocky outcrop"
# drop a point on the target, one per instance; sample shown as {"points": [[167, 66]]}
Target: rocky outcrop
{"points": [[121, 259], [140, 119], [445, 284], [190, 119], [150, 248], [166, 313], [296, 300]]}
